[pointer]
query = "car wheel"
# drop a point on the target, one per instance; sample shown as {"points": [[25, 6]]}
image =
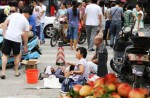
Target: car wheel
{"points": [[48, 31]]}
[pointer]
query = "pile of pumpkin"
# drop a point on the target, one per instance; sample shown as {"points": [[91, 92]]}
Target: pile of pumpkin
{"points": [[106, 87]]}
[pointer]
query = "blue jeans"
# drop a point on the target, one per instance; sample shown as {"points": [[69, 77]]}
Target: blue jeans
{"points": [[115, 28], [73, 33], [42, 38]]}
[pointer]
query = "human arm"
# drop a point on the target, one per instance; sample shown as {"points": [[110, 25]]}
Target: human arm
{"points": [[25, 35], [100, 16], [80, 71], [84, 19], [4, 27], [25, 40], [139, 19], [72, 64], [42, 10]]}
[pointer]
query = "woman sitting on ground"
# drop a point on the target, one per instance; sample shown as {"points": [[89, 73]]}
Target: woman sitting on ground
{"points": [[81, 69]]}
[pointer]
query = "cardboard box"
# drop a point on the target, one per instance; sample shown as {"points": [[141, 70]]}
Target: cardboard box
{"points": [[30, 64]]}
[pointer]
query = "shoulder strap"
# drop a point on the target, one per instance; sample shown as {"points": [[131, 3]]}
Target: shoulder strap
{"points": [[114, 12]]}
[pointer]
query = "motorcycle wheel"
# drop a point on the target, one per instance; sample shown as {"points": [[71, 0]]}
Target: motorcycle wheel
{"points": [[82, 38], [113, 66], [54, 39]]}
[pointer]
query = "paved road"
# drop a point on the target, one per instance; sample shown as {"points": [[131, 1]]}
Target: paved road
{"points": [[14, 87]]}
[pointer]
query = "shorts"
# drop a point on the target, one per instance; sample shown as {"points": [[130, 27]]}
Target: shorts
{"points": [[10, 45], [73, 33]]}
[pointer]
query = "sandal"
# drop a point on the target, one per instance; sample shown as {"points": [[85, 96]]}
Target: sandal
{"points": [[2, 76], [18, 75]]}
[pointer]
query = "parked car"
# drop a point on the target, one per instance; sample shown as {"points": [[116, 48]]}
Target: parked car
{"points": [[48, 26]]}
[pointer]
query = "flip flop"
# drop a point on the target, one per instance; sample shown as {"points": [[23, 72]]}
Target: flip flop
{"points": [[18, 75], [2, 76]]}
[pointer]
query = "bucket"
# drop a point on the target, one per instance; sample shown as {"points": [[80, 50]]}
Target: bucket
{"points": [[32, 76]]}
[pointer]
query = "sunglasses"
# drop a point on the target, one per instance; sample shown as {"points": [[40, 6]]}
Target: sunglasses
{"points": [[12, 11]]}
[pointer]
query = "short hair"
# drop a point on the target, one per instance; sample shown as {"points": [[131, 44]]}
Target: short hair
{"points": [[118, 2], [83, 51], [101, 3], [129, 7], [40, 1], [94, 1], [28, 10], [112, 4], [34, 0]]}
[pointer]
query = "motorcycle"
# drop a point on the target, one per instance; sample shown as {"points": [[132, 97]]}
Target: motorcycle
{"points": [[132, 65], [62, 34], [33, 51]]}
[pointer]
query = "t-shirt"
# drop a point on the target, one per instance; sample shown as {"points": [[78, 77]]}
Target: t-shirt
{"points": [[73, 20], [85, 75], [62, 12], [32, 22], [93, 11], [141, 25], [17, 25], [37, 14], [128, 18], [116, 13], [37, 20], [43, 8], [101, 49]]}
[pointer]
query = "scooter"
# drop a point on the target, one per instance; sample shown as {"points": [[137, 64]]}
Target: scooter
{"points": [[133, 66], [33, 50], [61, 34]]}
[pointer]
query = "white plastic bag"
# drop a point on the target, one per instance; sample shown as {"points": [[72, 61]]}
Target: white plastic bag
{"points": [[51, 83]]}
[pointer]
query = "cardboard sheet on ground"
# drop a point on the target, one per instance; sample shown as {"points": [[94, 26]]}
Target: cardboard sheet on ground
{"points": [[52, 83]]}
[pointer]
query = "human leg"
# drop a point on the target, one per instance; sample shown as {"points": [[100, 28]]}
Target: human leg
{"points": [[112, 33], [88, 33], [42, 38], [16, 52], [93, 34], [4, 63], [93, 67], [6, 49], [75, 36], [71, 38]]}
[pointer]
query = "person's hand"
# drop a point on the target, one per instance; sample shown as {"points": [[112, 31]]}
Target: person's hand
{"points": [[67, 63], [71, 72], [100, 26], [25, 48], [83, 25]]}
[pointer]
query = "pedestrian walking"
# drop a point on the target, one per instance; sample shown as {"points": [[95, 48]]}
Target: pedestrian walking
{"points": [[20, 6], [36, 13], [43, 13], [17, 27], [107, 26], [116, 24], [73, 20], [92, 18]]}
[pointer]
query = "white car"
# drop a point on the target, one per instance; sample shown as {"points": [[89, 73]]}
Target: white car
{"points": [[48, 26]]}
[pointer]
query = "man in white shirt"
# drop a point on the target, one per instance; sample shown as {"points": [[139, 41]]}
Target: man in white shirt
{"points": [[43, 13], [93, 17], [17, 27]]}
